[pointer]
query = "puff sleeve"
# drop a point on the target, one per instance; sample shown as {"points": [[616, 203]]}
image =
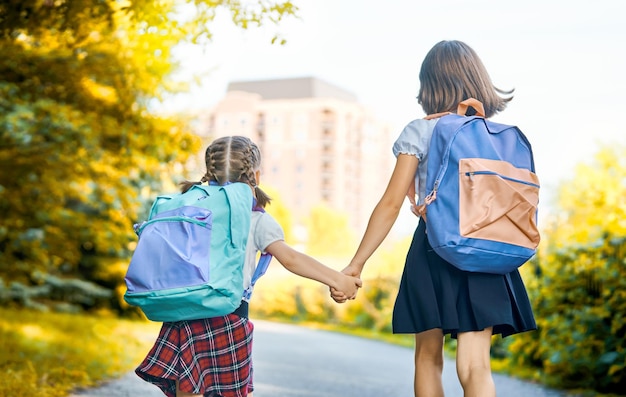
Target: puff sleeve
{"points": [[267, 231], [414, 139]]}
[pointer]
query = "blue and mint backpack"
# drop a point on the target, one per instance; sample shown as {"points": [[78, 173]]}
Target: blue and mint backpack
{"points": [[188, 263], [482, 193]]}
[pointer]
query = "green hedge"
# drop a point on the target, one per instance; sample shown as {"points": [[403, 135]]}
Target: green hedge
{"points": [[579, 298]]}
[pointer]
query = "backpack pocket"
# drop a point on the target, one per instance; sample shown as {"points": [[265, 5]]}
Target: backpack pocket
{"points": [[172, 251], [498, 202]]}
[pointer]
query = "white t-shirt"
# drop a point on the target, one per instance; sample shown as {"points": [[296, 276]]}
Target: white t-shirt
{"points": [[415, 140], [264, 230]]}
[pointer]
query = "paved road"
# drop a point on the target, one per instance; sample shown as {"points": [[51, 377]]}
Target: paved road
{"points": [[292, 361]]}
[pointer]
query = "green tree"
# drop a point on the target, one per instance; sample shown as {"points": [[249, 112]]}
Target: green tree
{"points": [[578, 289], [81, 153], [279, 211], [329, 233]]}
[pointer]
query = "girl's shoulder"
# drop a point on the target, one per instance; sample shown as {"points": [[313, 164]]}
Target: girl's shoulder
{"points": [[420, 127], [265, 229], [415, 138], [263, 218]]}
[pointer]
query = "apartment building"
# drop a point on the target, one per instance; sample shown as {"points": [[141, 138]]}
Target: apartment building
{"points": [[318, 144]]}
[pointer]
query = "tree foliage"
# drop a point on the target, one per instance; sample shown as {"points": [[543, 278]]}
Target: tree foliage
{"points": [[81, 153], [329, 233], [578, 292], [592, 203], [280, 212]]}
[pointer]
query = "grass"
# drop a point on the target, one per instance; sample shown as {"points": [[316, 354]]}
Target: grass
{"points": [[51, 354]]}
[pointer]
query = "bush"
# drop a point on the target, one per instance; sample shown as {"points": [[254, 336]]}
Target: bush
{"points": [[579, 300]]}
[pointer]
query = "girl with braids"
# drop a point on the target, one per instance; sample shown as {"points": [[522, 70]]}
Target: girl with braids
{"points": [[211, 357], [435, 298]]}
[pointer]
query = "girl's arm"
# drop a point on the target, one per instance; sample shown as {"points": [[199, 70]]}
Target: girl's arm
{"points": [[308, 267], [385, 213]]}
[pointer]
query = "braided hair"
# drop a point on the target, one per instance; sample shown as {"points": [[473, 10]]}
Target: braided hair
{"points": [[232, 159]]}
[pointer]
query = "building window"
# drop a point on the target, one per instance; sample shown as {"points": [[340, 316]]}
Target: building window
{"points": [[328, 123], [300, 135], [260, 127], [325, 182]]}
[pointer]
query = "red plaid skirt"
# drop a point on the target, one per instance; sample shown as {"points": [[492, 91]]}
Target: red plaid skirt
{"points": [[209, 356]]}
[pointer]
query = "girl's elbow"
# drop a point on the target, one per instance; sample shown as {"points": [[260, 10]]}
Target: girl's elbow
{"points": [[287, 263], [390, 205]]}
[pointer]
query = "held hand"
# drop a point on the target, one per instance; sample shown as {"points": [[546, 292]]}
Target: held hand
{"points": [[355, 273], [348, 287], [352, 270], [338, 296]]}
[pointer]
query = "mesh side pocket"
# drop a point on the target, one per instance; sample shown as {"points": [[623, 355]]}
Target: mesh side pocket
{"points": [[498, 202], [173, 251]]}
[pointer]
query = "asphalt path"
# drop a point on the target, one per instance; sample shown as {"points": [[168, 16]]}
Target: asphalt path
{"points": [[293, 361]]}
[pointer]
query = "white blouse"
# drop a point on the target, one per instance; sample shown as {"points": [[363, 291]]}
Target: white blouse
{"points": [[415, 140]]}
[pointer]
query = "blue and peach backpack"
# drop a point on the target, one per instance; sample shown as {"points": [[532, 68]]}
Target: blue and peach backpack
{"points": [[189, 260], [482, 193]]}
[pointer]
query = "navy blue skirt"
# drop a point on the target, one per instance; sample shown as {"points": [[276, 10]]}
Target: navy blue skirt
{"points": [[435, 294]]}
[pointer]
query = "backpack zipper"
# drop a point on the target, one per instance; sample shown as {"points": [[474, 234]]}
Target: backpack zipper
{"points": [[170, 219], [470, 174]]}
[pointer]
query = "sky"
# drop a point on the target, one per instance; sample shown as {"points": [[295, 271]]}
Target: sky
{"points": [[566, 61]]}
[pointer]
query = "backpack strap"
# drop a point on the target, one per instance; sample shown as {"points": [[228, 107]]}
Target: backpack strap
{"points": [[462, 108], [235, 218], [436, 115], [261, 268], [262, 265], [479, 109]]}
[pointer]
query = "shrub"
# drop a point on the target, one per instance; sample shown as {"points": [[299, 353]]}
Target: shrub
{"points": [[579, 302]]}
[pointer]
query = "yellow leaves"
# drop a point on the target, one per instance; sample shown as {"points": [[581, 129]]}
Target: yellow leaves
{"points": [[113, 269], [592, 203], [388, 262], [328, 232], [33, 331], [99, 91], [279, 211], [614, 369]]}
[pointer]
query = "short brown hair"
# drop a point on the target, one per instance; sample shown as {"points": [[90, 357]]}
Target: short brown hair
{"points": [[451, 73]]}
